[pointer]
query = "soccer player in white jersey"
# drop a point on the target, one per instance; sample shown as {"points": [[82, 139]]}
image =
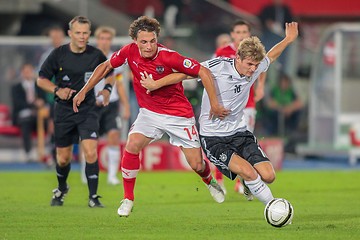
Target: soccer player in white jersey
{"points": [[227, 144], [240, 30], [166, 110]]}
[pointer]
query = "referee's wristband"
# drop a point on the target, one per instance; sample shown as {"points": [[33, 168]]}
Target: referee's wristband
{"points": [[108, 87]]}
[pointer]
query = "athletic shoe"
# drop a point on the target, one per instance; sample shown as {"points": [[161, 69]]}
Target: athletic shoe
{"points": [[222, 185], [125, 208], [58, 196], [239, 188], [94, 201], [113, 181], [247, 193], [216, 192]]}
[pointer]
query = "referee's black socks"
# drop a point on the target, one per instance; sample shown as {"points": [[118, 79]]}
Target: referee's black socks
{"points": [[62, 175], [92, 175]]}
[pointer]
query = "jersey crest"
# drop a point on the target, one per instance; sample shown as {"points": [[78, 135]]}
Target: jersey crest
{"points": [[160, 69]]}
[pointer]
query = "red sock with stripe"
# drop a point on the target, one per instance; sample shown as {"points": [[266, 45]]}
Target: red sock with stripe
{"points": [[130, 166], [206, 174]]}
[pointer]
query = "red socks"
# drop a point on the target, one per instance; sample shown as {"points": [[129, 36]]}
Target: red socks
{"points": [[130, 166], [206, 174]]}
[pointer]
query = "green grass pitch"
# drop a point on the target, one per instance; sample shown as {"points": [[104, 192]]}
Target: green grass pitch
{"points": [[177, 205]]}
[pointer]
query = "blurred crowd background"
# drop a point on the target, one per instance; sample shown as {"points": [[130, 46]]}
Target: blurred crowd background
{"points": [[318, 76]]}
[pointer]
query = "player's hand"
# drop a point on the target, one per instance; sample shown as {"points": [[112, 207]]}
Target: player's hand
{"points": [[65, 93], [106, 96], [218, 112], [148, 82], [78, 99], [291, 31]]}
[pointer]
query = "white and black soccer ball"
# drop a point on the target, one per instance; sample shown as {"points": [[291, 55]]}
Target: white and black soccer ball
{"points": [[279, 212]]}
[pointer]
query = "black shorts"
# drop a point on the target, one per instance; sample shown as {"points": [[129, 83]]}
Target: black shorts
{"points": [[70, 127], [108, 117], [219, 150]]}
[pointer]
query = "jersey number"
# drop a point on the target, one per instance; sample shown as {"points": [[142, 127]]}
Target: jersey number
{"points": [[191, 133], [237, 89]]}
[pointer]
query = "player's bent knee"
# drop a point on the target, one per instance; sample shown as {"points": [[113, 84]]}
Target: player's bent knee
{"points": [[268, 178], [197, 166]]}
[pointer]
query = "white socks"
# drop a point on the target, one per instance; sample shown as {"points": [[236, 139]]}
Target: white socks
{"points": [[260, 190], [113, 154]]}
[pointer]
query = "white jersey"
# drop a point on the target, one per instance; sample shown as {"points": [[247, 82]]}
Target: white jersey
{"points": [[233, 93], [118, 74]]}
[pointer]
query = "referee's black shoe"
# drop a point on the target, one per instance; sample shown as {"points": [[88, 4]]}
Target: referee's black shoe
{"points": [[94, 202], [58, 196]]}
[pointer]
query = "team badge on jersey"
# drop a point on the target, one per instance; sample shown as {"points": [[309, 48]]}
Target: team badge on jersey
{"points": [[223, 157], [160, 69], [187, 63]]}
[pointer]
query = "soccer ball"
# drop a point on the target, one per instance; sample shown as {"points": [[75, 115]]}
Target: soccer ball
{"points": [[279, 212]]}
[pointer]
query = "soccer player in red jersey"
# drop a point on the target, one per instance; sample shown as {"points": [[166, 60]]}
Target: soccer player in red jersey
{"points": [[165, 110], [240, 30]]}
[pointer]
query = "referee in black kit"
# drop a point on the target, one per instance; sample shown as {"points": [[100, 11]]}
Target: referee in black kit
{"points": [[72, 65]]}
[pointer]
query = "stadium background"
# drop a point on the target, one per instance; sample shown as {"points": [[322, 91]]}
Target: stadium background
{"points": [[191, 30], [317, 166]]}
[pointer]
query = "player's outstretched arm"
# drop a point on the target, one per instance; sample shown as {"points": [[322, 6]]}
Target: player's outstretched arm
{"points": [[291, 33], [151, 85], [100, 72], [216, 109]]}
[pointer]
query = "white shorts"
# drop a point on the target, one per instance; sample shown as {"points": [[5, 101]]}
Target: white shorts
{"points": [[250, 118], [182, 131]]}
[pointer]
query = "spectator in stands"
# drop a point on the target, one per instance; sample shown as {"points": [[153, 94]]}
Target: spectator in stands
{"points": [[284, 108], [27, 98], [273, 18]]}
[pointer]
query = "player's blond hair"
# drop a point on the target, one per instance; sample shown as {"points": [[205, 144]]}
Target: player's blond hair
{"points": [[252, 48], [105, 29], [144, 23]]}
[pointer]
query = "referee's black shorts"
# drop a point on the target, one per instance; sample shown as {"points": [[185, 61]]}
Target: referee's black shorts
{"points": [[70, 127], [219, 150]]}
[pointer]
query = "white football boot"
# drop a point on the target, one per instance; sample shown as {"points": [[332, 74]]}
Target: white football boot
{"points": [[125, 208], [216, 191]]}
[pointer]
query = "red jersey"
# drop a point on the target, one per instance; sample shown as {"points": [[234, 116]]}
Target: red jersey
{"points": [[230, 52], [170, 99]]}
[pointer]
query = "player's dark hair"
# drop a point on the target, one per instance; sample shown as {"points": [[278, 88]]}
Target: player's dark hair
{"points": [[240, 22], [79, 19], [144, 23]]}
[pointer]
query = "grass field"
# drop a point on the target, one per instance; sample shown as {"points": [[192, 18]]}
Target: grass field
{"points": [[176, 205]]}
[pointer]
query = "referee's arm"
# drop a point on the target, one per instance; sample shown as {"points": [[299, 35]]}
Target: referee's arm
{"points": [[47, 85]]}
